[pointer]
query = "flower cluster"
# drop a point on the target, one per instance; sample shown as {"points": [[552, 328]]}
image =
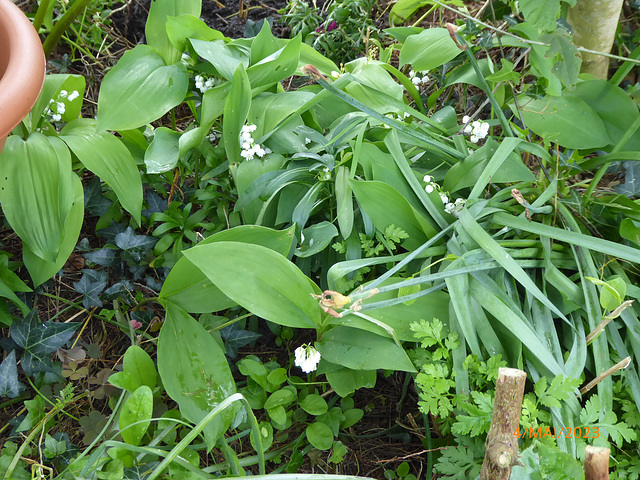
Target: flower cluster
{"points": [[57, 107], [332, 26], [204, 82], [249, 147], [307, 358], [452, 208], [418, 78], [477, 129], [324, 175]]}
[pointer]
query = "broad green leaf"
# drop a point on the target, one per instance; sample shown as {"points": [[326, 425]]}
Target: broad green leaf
{"points": [[225, 58], [314, 404], [40, 340], [282, 397], [308, 55], [385, 206], [277, 66], [10, 386], [53, 86], [213, 103], [317, 237], [265, 44], [362, 350], [268, 110], [403, 9], [428, 50], [278, 415], [163, 152], [553, 118], [188, 287], [140, 89], [138, 408], [320, 435], [505, 74], [194, 371], [402, 33], [346, 381], [630, 229], [41, 270], [156, 25], [373, 75], [466, 173], [260, 280], [236, 109], [258, 183], [612, 293], [467, 74], [344, 200], [303, 209], [401, 315], [184, 27], [36, 191], [613, 105], [541, 13], [107, 157], [138, 370]]}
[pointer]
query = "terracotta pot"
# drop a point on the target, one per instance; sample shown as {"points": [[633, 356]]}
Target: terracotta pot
{"points": [[22, 67]]}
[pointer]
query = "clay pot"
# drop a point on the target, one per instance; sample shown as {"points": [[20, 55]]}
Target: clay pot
{"points": [[22, 67]]}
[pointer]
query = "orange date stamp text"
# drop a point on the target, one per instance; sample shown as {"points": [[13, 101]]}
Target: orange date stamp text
{"points": [[567, 432]]}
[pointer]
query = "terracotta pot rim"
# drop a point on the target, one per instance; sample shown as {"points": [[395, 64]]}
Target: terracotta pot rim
{"points": [[22, 67]]}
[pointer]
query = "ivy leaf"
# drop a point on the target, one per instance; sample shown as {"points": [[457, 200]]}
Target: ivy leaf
{"points": [[9, 384], [236, 338], [105, 257], [40, 340], [156, 203], [35, 413], [116, 290], [92, 283], [94, 202], [111, 231], [134, 245]]}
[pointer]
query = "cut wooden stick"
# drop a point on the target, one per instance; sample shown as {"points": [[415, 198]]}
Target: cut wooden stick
{"points": [[502, 446], [596, 463]]}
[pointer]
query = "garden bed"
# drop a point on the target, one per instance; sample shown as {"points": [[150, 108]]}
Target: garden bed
{"points": [[240, 211]]}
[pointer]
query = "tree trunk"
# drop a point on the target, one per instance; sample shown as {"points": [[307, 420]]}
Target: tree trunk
{"points": [[594, 24]]}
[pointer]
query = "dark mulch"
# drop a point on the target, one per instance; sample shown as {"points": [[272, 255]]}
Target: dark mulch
{"points": [[220, 15]]}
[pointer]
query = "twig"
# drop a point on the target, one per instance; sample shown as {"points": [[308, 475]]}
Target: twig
{"points": [[618, 366]]}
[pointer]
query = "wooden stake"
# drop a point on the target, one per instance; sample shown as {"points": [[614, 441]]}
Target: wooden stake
{"points": [[596, 463], [502, 446]]}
